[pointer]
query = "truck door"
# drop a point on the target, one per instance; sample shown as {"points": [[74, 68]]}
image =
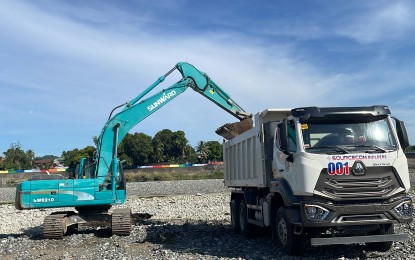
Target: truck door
{"points": [[285, 148]]}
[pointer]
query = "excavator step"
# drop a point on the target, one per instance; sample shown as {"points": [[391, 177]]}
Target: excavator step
{"points": [[121, 222], [54, 226]]}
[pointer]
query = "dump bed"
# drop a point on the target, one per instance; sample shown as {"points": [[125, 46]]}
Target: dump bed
{"points": [[248, 157]]}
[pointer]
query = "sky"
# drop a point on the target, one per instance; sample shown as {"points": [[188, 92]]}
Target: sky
{"points": [[64, 65]]}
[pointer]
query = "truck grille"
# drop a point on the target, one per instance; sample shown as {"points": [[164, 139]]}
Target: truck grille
{"points": [[377, 183]]}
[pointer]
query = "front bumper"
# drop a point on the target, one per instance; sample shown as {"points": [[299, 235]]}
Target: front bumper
{"points": [[351, 214]]}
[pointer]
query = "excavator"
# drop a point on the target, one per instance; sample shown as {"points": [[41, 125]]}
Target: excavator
{"points": [[99, 182]]}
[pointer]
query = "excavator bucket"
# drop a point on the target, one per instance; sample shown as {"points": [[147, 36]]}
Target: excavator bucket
{"points": [[230, 130]]}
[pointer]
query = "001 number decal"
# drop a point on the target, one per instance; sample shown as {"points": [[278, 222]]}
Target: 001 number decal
{"points": [[338, 168]]}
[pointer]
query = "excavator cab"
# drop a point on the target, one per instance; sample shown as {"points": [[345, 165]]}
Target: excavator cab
{"points": [[84, 169]]}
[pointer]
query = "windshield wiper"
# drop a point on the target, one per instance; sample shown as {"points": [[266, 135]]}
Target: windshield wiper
{"points": [[374, 147], [334, 147]]}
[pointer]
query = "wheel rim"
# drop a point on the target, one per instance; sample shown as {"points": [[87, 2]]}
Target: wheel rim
{"points": [[282, 231]]}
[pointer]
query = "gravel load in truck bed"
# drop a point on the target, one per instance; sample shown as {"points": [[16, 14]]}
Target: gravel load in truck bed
{"points": [[180, 220]]}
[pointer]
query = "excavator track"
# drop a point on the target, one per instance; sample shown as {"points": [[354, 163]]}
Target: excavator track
{"points": [[54, 226], [121, 222]]}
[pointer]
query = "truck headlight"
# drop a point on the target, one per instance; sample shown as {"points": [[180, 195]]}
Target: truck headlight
{"points": [[315, 212], [404, 209]]}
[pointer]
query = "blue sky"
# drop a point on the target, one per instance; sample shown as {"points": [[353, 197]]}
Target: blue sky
{"points": [[65, 64]]}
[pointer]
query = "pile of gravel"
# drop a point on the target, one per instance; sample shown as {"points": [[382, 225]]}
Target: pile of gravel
{"points": [[193, 225]]}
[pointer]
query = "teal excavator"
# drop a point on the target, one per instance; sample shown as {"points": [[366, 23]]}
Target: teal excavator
{"points": [[99, 183]]}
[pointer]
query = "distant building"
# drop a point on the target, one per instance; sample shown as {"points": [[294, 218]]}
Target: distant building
{"points": [[61, 161], [49, 163]]}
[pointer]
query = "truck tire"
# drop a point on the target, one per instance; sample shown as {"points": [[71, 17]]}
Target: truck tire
{"points": [[244, 226], [386, 229], [289, 242], [235, 216]]}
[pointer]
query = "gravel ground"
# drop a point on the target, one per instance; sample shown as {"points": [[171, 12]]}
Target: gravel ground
{"points": [[192, 225]]}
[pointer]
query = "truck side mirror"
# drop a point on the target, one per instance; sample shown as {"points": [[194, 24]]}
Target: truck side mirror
{"points": [[402, 135], [283, 137]]}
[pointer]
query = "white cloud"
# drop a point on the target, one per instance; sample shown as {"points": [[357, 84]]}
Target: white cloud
{"points": [[390, 20]]}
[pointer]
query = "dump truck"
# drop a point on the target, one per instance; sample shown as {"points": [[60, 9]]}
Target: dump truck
{"points": [[320, 176]]}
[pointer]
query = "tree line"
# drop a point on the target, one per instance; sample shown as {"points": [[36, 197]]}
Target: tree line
{"points": [[138, 149]]}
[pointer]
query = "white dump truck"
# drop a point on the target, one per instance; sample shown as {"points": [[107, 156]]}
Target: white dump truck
{"points": [[320, 176]]}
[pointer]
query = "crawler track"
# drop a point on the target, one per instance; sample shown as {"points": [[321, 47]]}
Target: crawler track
{"points": [[121, 222], [54, 226]]}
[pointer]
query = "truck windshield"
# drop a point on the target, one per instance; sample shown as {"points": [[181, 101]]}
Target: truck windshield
{"points": [[369, 135]]}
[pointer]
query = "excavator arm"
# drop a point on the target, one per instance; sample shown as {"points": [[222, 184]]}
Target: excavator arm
{"points": [[138, 109]]}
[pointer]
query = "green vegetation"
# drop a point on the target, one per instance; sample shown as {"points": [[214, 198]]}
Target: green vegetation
{"points": [[138, 149], [410, 149], [166, 147], [74, 156], [174, 176], [16, 158]]}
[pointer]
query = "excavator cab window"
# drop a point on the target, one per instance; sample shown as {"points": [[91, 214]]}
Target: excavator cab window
{"points": [[86, 171], [89, 169]]}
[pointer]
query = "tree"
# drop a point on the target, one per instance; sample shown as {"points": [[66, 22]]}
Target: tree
{"points": [[410, 149], [95, 140], [16, 158], [30, 155], [215, 151], [1, 163], [180, 143], [203, 151], [73, 157], [164, 137], [137, 148], [158, 151], [191, 156]]}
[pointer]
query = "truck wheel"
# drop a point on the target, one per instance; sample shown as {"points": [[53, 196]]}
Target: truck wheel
{"points": [[382, 246], [289, 242], [244, 226], [235, 216]]}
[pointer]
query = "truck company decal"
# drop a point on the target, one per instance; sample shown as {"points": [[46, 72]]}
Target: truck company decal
{"points": [[338, 168], [381, 164], [161, 100], [357, 157]]}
